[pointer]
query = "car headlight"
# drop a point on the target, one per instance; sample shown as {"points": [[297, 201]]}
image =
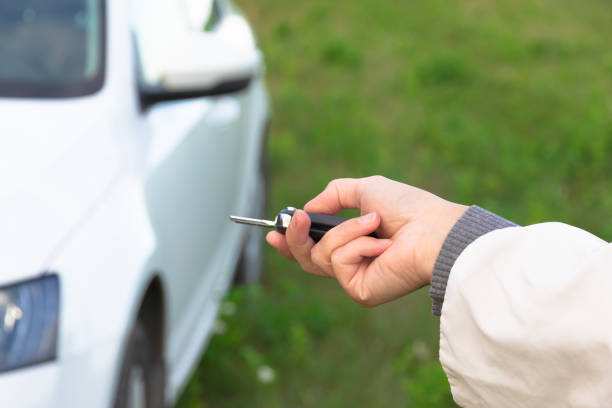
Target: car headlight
{"points": [[28, 322]]}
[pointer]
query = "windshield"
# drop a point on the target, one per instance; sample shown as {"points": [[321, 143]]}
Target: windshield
{"points": [[51, 48]]}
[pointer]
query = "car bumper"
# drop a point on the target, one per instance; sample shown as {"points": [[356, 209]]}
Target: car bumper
{"points": [[81, 380]]}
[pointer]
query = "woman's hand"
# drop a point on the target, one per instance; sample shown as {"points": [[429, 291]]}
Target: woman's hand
{"points": [[411, 225]]}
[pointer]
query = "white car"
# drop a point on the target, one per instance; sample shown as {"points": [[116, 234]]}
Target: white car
{"points": [[129, 131]]}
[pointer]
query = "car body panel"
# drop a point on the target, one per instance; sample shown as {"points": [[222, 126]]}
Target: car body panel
{"points": [[63, 384], [110, 197], [42, 197]]}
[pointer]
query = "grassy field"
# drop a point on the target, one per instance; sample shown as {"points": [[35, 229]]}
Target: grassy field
{"points": [[505, 104]]}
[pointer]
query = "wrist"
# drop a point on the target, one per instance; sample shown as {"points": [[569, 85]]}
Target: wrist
{"points": [[471, 225], [441, 224]]}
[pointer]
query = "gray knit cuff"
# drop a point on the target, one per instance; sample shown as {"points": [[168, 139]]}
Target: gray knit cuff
{"points": [[474, 223]]}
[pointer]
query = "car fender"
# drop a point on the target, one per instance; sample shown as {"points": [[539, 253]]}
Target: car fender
{"points": [[103, 270]]}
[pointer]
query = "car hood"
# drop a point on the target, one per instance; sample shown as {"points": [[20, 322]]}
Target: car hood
{"points": [[56, 159]]}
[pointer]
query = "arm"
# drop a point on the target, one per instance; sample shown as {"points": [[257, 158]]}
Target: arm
{"points": [[526, 319], [525, 310]]}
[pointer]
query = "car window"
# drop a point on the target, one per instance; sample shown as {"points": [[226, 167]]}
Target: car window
{"points": [[51, 48]]}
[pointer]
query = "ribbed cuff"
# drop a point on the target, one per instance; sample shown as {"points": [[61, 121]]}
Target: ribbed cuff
{"points": [[474, 223]]}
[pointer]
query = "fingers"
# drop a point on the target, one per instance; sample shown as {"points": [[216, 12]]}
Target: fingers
{"points": [[300, 243], [339, 194], [296, 244], [340, 236], [278, 241], [355, 251], [350, 263], [344, 253]]}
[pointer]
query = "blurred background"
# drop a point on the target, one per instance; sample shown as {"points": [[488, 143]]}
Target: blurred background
{"points": [[504, 104]]}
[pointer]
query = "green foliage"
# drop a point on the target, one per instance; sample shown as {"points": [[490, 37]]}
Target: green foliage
{"points": [[427, 387], [501, 103], [444, 69], [424, 380], [339, 52]]}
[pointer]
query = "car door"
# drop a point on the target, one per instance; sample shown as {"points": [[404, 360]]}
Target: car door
{"points": [[192, 183]]}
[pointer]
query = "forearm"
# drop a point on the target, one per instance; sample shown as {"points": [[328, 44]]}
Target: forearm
{"points": [[525, 319]]}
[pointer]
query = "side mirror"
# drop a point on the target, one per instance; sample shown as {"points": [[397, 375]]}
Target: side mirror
{"points": [[202, 63]]}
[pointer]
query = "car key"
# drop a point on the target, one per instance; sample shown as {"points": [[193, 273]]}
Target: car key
{"points": [[319, 223]]}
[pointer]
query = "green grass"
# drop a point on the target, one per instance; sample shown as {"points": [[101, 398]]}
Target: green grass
{"points": [[505, 104]]}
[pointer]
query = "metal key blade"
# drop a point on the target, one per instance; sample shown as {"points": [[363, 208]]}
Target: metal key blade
{"points": [[253, 221]]}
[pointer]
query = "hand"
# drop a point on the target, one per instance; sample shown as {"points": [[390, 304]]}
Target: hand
{"points": [[411, 225]]}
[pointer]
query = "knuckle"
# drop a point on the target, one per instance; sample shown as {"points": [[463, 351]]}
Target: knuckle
{"points": [[363, 297], [317, 256], [368, 305], [336, 183], [332, 184], [291, 241], [336, 258], [305, 260], [308, 268], [296, 250], [377, 178], [296, 240]]}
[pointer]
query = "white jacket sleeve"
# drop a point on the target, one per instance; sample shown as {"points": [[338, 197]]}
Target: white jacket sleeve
{"points": [[527, 319]]}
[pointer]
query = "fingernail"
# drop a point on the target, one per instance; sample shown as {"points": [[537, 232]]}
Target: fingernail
{"points": [[366, 219]]}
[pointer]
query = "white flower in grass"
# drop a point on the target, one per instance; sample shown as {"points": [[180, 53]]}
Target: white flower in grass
{"points": [[266, 374], [228, 308], [219, 327], [420, 350]]}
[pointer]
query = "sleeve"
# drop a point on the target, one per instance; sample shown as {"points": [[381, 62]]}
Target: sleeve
{"points": [[474, 223], [526, 319]]}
